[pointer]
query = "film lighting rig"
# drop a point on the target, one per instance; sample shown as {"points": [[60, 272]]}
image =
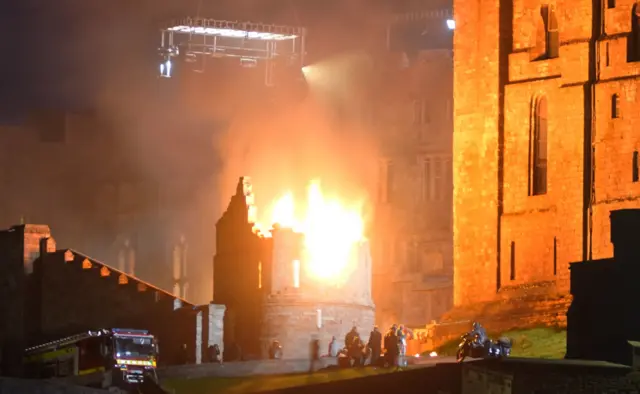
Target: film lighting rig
{"points": [[196, 40]]}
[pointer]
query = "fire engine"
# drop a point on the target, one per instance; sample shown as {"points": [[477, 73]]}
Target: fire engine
{"points": [[102, 358]]}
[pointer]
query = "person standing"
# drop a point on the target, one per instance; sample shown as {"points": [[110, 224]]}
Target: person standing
{"points": [[375, 344], [391, 346], [314, 353]]}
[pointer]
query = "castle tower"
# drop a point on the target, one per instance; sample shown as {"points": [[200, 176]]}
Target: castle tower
{"points": [[478, 87], [272, 294]]}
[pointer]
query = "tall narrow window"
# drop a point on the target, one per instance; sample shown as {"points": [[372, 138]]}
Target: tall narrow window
{"points": [[611, 4], [296, 273], [538, 173], [438, 178], [419, 112], [607, 59], [633, 42], [426, 180], [552, 36], [260, 275], [555, 256], [512, 262], [615, 106], [635, 175]]}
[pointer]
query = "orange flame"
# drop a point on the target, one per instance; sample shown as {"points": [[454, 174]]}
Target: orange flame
{"points": [[331, 230]]}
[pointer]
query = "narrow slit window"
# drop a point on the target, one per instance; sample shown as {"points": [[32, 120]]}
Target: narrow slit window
{"points": [[538, 169], [439, 181], [512, 261], [607, 59], [426, 180], [635, 176], [615, 106], [296, 273], [633, 41], [555, 256], [260, 275]]}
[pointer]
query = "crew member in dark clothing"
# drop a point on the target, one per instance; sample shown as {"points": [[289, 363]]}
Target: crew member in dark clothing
{"points": [[391, 346], [375, 344], [315, 354], [350, 337]]}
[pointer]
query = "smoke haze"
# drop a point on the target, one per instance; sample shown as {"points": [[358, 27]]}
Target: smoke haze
{"points": [[103, 55]]}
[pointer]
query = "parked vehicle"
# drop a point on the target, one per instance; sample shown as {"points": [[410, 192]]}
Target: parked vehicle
{"points": [[468, 347], [102, 358]]}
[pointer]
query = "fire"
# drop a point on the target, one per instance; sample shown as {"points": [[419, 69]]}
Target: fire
{"points": [[331, 230]]}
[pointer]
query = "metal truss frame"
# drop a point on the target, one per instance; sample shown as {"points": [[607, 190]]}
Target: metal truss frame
{"points": [[198, 39]]}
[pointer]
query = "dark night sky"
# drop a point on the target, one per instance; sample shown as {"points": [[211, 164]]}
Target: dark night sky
{"points": [[60, 54]]}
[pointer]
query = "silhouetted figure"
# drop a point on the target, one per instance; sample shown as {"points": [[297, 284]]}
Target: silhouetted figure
{"points": [[480, 335], [184, 354], [350, 337], [356, 351], [391, 347], [375, 345], [314, 352], [275, 350]]}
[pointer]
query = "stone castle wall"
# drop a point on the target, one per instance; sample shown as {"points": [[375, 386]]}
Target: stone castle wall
{"points": [[503, 236], [294, 324]]}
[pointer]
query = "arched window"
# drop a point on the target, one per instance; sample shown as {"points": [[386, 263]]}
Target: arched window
{"points": [[538, 167], [633, 42]]}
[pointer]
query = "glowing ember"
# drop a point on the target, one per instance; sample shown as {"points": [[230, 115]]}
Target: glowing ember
{"points": [[331, 230], [433, 354]]}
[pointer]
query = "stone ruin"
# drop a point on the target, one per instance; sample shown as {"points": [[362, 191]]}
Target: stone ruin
{"points": [[268, 296]]}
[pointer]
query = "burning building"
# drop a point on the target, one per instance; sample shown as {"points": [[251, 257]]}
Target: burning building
{"points": [[303, 276]]}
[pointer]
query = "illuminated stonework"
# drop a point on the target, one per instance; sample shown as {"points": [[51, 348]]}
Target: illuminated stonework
{"points": [[265, 282]]}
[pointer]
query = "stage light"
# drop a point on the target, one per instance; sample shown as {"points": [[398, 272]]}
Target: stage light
{"points": [[232, 33], [451, 24]]}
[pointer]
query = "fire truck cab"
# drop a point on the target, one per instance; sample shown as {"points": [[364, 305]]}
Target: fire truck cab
{"points": [[102, 358]]}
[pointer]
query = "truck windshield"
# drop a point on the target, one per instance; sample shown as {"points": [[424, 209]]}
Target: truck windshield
{"points": [[134, 346]]}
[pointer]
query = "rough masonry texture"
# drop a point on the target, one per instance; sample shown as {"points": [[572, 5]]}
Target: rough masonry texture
{"points": [[412, 234], [546, 101], [48, 293], [268, 298]]}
